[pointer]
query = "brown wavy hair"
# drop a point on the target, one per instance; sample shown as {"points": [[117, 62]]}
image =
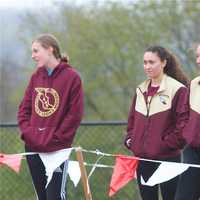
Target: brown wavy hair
{"points": [[173, 67]]}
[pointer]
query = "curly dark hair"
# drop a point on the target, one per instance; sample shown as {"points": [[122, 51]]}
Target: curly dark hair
{"points": [[173, 67]]}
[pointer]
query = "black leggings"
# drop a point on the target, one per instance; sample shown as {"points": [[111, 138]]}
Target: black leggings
{"points": [[56, 190], [168, 189], [189, 183]]}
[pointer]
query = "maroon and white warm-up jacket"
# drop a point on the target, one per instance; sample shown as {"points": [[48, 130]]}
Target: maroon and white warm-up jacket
{"points": [[192, 130], [155, 126]]}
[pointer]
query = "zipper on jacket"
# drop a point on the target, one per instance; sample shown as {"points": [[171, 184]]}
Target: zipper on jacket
{"points": [[147, 103]]}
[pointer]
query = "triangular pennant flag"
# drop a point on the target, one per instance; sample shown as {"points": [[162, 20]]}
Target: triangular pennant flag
{"points": [[53, 160], [13, 161], [165, 172], [74, 172], [1, 159], [124, 171]]}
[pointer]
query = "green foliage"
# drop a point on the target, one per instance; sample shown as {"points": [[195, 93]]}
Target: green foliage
{"points": [[106, 44]]}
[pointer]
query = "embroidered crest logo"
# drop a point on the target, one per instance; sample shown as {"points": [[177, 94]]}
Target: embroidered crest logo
{"points": [[164, 99], [46, 101]]}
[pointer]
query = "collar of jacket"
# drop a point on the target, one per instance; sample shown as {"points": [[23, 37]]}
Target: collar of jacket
{"points": [[61, 66], [163, 85], [195, 83], [198, 78]]}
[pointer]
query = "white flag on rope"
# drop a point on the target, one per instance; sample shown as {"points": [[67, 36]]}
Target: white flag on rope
{"points": [[53, 160], [74, 172], [165, 172]]}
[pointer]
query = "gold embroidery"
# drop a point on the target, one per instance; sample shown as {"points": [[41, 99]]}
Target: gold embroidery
{"points": [[46, 101]]}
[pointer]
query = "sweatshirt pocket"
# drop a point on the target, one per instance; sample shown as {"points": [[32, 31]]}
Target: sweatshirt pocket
{"points": [[66, 136], [156, 147], [40, 138], [165, 149], [136, 144]]}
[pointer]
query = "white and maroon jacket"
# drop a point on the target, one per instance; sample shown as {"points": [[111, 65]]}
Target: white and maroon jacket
{"points": [[155, 128], [192, 130]]}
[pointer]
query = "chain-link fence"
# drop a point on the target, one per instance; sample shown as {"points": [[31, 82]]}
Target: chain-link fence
{"points": [[106, 137]]}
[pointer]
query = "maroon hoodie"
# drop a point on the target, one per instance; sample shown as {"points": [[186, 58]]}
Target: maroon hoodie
{"points": [[52, 109]]}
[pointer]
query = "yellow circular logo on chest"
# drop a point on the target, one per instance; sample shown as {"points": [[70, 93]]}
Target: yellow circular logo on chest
{"points": [[46, 101]]}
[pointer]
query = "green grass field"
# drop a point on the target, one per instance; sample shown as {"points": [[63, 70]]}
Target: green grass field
{"points": [[108, 139]]}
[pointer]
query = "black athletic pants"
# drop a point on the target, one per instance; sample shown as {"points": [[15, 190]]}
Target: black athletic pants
{"points": [[189, 183], [56, 190], [168, 189]]}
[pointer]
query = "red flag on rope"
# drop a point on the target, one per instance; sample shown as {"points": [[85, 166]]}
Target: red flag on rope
{"points": [[124, 171], [13, 161]]}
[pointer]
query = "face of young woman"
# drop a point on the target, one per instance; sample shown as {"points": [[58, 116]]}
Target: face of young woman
{"points": [[198, 56], [153, 66], [40, 55]]}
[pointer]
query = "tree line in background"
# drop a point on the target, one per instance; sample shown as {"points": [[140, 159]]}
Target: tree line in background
{"points": [[105, 42]]}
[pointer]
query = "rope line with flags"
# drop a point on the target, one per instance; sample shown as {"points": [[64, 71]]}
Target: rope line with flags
{"points": [[124, 169]]}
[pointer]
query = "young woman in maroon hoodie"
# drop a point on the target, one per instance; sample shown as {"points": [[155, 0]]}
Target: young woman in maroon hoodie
{"points": [[50, 113], [158, 114], [188, 187]]}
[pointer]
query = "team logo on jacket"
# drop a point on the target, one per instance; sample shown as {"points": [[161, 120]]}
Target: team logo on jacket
{"points": [[163, 98], [46, 101]]}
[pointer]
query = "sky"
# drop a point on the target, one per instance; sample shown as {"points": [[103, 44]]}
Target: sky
{"points": [[24, 3], [44, 3]]}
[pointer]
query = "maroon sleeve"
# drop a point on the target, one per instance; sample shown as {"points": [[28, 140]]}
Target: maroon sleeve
{"points": [[180, 108], [130, 121], [74, 114], [191, 132], [24, 111]]}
